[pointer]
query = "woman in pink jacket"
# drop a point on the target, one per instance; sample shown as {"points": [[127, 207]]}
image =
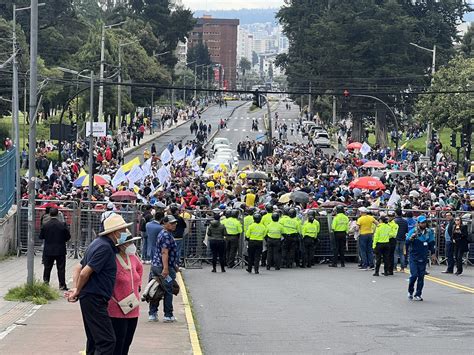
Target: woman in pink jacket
{"points": [[124, 305]]}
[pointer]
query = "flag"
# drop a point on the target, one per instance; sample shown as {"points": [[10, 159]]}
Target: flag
{"points": [[394, 198], [179, 154], [118, 178], [146, 167], [50, 170], [135, 175], [165, 156], [163, 175], [152, 187], [365, 149], [129, 166], [82, 173]]}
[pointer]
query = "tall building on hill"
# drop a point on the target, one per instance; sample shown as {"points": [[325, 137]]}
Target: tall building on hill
{"points": [[220, 36]]}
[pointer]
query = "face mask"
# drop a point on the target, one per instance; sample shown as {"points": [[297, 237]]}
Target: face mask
{"points": [[122, 238], [131, 249]]}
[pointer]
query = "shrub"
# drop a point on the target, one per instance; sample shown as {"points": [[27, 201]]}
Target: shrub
{"points": [[38, 293]]}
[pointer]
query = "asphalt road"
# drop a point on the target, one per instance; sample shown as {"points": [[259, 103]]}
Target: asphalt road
{"points": [[329, 311]]}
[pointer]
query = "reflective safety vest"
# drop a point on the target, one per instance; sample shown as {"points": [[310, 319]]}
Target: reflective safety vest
{"points": [[311, 229], [394, 227], [266, 219], [248, 220], [340, 223], [382, 234], [275, 230], [290, 225], [256, 231], [233, 226]]}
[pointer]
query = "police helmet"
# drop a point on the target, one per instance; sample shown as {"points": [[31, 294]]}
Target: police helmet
{"points": [[292, 213], [235, 213], [311, 213], [257, 217], [269, 208], [275, 217], [250, 211], [228, 213], [286, 209], [340, 209]]}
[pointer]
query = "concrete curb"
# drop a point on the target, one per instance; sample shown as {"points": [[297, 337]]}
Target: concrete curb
{"points": [[155, 136]]}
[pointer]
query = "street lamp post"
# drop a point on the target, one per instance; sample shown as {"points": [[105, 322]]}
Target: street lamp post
{"points": [[433, 71], [119, 88], [102, 62], [184, 80]]}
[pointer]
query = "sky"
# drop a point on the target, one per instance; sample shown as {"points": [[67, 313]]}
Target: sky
{"points": [[231, 4]]}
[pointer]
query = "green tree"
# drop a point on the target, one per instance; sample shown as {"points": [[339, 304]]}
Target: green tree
{"points": [[245, 66], [455, 111], [467, 44]]}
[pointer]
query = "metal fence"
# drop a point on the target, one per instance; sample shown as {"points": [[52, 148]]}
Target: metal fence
{"points": [[7, 181]]}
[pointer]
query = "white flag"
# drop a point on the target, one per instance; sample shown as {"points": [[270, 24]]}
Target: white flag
{"points": [[118, 178], [179, 154], [146, 167], [165, 156], [153, 188], [136, 174], [394, 198], [163, 175], [365, 149], [50, 170]]}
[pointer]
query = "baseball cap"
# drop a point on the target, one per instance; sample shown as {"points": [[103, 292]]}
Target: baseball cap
{"points": [[421, 219], [169, 219]]}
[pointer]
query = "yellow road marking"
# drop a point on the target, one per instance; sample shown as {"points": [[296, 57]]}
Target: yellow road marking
{"points": [[447, 283], [195, 343]]}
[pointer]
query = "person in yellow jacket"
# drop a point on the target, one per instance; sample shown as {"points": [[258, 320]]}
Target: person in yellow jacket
{"points": [[393, 241], [250, 198], [146, 154], [340, 227], [381, 245], [266, 219], [291, 232], [309, 233], [273, 239], [233, 229], [255, 235], [248, 219]]}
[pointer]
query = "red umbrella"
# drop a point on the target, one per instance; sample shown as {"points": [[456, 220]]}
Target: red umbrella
{"points": [[373, 164], [49, 204], [391, 161], [368, 183], [124, 196], [354, 145], [332, 204]]}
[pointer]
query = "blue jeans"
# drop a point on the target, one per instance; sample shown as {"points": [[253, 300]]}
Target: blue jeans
{"points": [[399, 253], [417, 274], [145, 247], [365, 250], [450, 255], [151, 246], [168, 299]]}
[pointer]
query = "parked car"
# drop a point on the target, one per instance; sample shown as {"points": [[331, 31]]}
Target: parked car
{"points": [[321, 139]]}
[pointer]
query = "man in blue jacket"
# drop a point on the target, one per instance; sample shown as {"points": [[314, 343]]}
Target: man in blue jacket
{"points": [[420, 240]]}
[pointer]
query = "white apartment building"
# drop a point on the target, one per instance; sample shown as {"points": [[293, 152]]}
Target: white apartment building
{"points": [[244, 44]]}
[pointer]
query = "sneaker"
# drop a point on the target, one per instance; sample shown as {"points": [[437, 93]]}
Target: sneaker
{"points": [[417, 298], [375, 274], [446, 272], [363, 268], [410, 296], [63, 288], [152, 318], [169, 319]]}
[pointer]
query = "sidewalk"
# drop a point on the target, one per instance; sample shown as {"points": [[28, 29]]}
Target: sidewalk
{"points": [[57, 328]]}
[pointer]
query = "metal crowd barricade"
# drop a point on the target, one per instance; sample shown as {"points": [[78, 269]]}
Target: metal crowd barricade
{"points": [[194, 249], [68, 209]]}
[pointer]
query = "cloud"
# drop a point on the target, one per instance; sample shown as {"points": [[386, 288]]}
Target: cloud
{"points": [[231, 4]]}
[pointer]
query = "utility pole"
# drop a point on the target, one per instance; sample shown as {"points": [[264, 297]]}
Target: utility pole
{"points": [[334, 119], [309, 103], [119, 88], [195, 79], [101, 75], [91, 157], [32, 141]]}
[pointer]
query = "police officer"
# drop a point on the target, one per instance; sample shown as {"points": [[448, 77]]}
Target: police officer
{"points": [[420, 240], [273, 239], [392, 242], [381, 245], [233, 229], [248, 219], [266, 219], [291, 229], [255, 235], [309, 233], [340, 226]]}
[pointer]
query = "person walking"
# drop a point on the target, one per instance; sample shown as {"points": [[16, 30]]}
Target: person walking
{"points": [[381, 245], [420, 241], [273, 239], [215, 234], [367, 224], [94, 280], [340, 227], [448, 242], [310, 233], [460, 243], [165, 263], [255, 235], [128, 281], [153, 229], [400, 238], [180, 230], [55, 235]]}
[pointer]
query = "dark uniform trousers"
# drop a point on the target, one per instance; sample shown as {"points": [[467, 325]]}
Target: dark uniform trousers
{"points": [[98, 325], [392, 245], [273, 253], [289, 249], [255, 251], [309, 245], [339, 247], [382, 251], [48, 261], [232, 245]]}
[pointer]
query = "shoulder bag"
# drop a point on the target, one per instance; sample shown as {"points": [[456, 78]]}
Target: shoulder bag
{"points": [[130, 302]]}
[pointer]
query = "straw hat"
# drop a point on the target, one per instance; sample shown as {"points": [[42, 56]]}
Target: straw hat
{"points": [[114, 223]]}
